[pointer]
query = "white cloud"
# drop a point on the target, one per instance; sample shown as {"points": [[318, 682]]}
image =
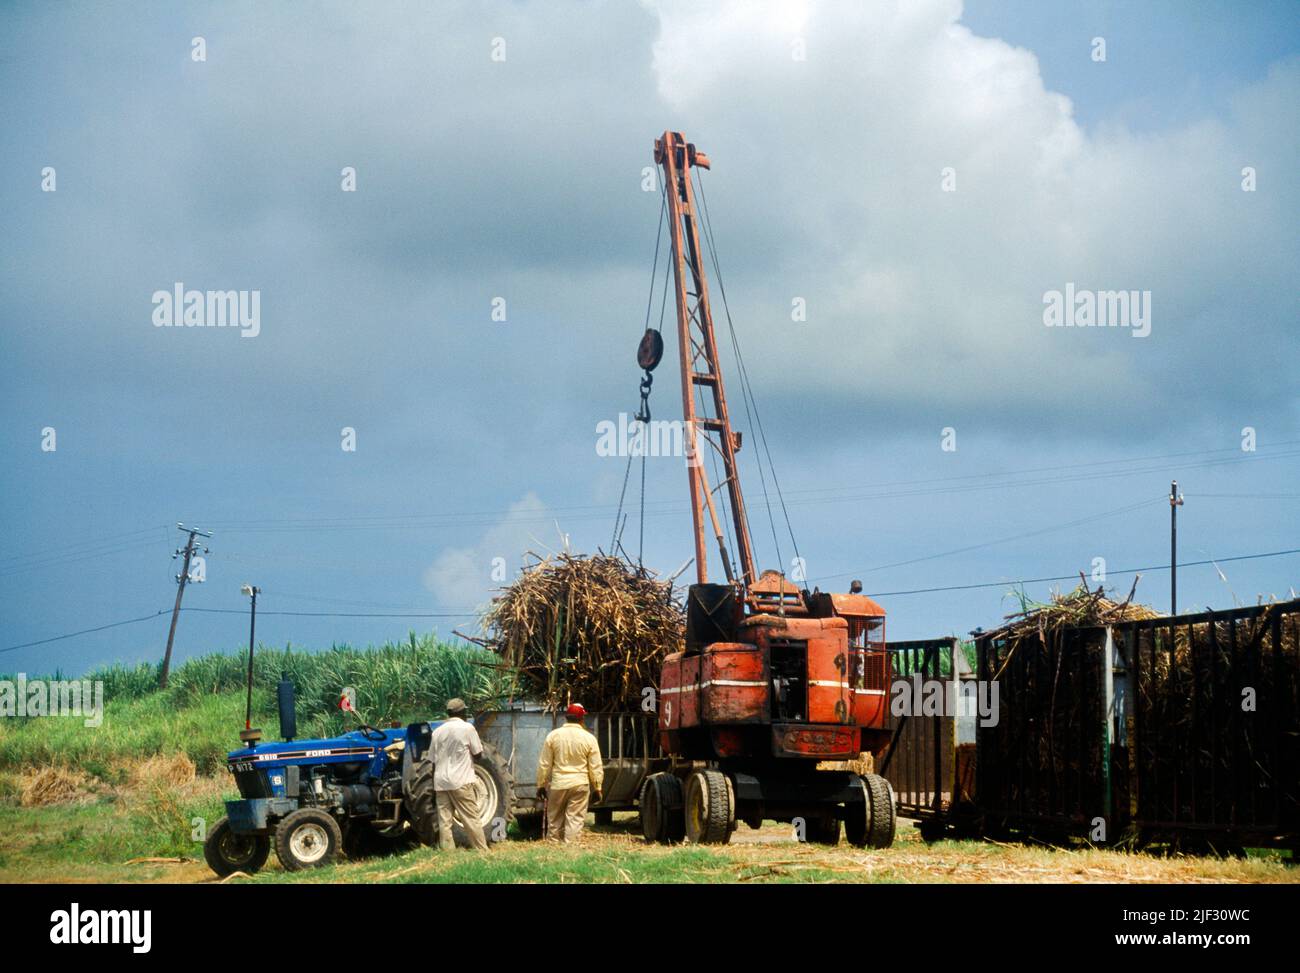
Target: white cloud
{"points": [[827, 172], [463, 576]]}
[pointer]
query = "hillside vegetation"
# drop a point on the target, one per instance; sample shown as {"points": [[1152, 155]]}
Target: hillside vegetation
{"points": [[202, 710]]}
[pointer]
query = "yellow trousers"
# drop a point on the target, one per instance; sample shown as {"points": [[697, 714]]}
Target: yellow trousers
{"points": [[566, 813], [460, 804]]}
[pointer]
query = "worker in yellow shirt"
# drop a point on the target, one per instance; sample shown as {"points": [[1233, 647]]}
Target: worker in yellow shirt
{"points": [[569, 774]]}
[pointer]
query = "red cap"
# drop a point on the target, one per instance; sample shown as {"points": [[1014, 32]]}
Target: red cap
{"points": [[576, 709]]}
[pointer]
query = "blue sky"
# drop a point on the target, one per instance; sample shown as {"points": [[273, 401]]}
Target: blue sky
{"points": [[521, 179]]}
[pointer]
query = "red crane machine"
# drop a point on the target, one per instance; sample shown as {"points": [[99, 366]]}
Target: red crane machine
{"points": [[775, 681]]}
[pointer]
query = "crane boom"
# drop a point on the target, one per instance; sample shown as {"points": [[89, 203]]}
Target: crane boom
{"points": [[770, 680], [707, 421]]}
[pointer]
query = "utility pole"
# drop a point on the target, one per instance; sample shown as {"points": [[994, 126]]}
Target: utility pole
{"points": [[1175, 501], [182, 580], [249, 736]]}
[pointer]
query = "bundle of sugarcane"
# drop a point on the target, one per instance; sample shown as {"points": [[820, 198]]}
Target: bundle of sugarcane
{"points": [[1080, 608], [590, 630]]}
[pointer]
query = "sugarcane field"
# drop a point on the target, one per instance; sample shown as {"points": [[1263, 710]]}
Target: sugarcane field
{"points": [[610, 445]]}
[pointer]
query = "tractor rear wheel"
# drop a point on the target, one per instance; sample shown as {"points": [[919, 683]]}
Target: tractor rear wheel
{"points": [[710, 808], [227, 851], [308, 838], [662, 817], [496, 796], [871, 824], [496, 792]]}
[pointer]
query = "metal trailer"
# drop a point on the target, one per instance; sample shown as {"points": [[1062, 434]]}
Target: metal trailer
{"points": [[930, 762], [629, 746], [1182, 729]]}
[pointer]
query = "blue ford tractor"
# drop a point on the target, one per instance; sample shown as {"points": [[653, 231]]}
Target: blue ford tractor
{"points": [[351, 794]]}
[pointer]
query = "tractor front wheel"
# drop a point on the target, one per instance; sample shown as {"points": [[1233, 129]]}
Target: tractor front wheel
{"points": [[308, 838], [227, 851]]}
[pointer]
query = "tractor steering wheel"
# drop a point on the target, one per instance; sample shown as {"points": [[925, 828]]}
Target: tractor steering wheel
{"points": [[371, 733]]}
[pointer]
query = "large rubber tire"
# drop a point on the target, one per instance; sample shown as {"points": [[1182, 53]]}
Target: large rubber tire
{"points": [[497, 783], [420, 802], [308, 838], [710, 810], [663, 819], [226, 851], [872, 823]]}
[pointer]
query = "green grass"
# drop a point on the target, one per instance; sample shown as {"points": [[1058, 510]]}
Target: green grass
{"points": [[97, 842], [42, 843], [202, 710], [200, 715], [539, 863], [618, 856]]}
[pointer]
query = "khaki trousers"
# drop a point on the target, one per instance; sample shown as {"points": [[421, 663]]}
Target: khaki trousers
{"points": [[461, 803], [566, 813]]}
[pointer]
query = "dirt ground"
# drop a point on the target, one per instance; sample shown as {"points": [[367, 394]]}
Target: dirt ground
{"points": [[618, 854]]}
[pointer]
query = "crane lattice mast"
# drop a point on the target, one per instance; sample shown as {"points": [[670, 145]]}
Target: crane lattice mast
{"points": [[707, 422]]}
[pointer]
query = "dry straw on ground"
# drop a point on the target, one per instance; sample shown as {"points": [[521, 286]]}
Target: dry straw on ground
{"points": [[585, 629], [171, 769], [54, 785]]}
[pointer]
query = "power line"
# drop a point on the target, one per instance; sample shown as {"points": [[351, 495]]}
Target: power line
{"points": [[85, 631], [15, 564], [994, 543], [747, 394], [280, 595], [1069, 577], [237, 611], [810, 497], [877, 594], [107, 540], [1247, 496], [19, 568], [1232, 451]]}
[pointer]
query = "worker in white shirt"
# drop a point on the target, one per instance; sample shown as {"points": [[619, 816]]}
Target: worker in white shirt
{"points": [[569, 774], [455, 746]]}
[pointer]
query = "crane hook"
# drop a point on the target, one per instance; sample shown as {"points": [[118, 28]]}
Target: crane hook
{"points": [[648, 355]]}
